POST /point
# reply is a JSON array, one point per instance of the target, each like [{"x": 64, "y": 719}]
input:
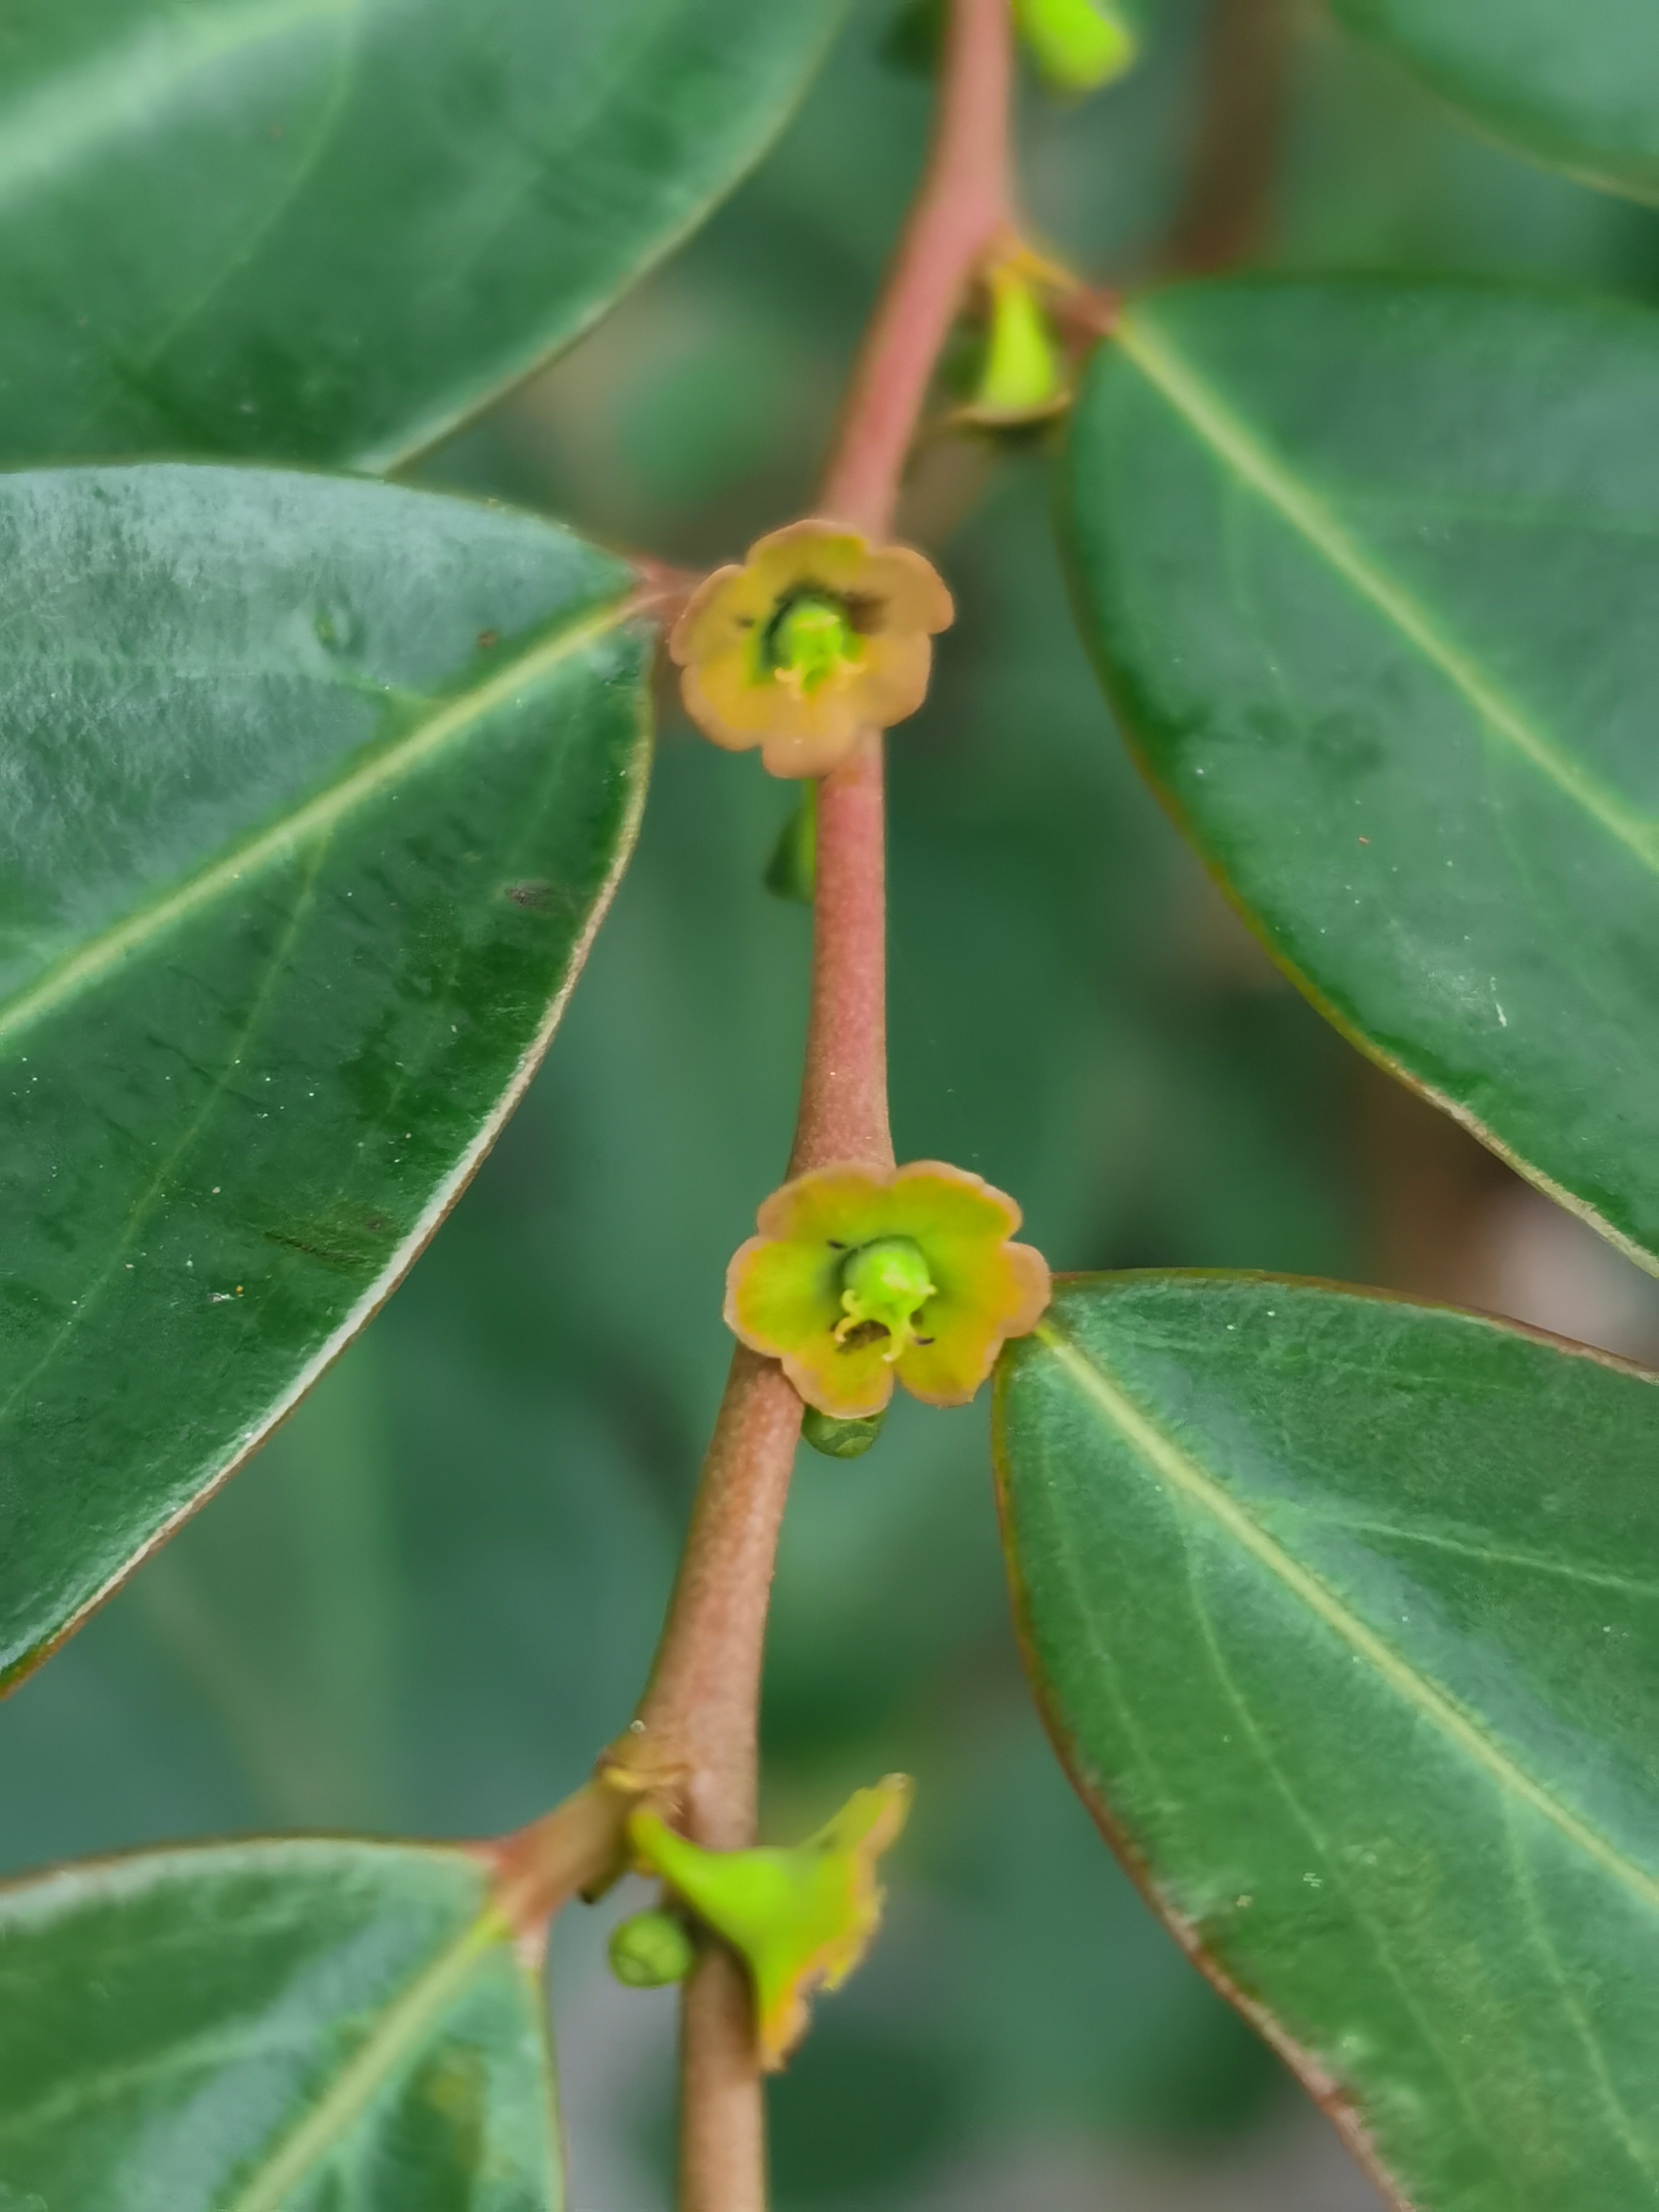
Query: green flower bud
[
  {"x": 651, "y": 1950},
  {"x": 840, "y": 1439},
  {"x": 1022, "y": 377},
  {"x": 1078, "y": 45}
]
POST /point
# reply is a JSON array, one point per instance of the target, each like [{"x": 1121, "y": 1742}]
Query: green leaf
[
  {"x": 1341, "y": 1611},
  {"x": 314, "y": 792},
  {"x": 329, "y": 229},
  {"x": 1370, "y": 571},
  {"x": 1572, "y": 86},
  {"x": 281, "y": 2026}
]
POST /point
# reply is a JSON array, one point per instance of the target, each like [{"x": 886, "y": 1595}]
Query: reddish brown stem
[
  {"x": 722, "y": 2161},
  {"x": 695, "y": 1737},
  {"x": 962, "y": 205},
  {"x": 844, "y": 1092},
  {"x": 696, "y": 1732}
]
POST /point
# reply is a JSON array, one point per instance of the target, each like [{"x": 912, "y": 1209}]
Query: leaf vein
[
  {"x": 1178, "y": 1469},
  {"x": 1239, "y": 446},
  {"x": 455, "y": 718}
]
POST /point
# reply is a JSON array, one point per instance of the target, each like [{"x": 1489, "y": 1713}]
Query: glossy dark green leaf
[
  {"x": 1342, "y": 1614},
  {"x": 282, "y": 2026},
  {"x": 1369, "y": 570},
  {"x": 317, "y": 230},
  {"x": 1573, "y": 85},
  {"x": 314, "y": 790}
]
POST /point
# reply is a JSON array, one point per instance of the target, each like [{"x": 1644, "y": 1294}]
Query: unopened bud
[
  {"x": 1078, "y": 45},
  {"x": 840, "y": 1439},
  {"x": 651, "y": 1950},
  {"x": 1022, "y": 377}
]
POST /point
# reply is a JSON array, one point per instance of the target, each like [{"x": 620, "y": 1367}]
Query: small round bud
[
  {"x": 651, "y": 1950},
  {"x": 1077, "y": 44},
  {"x": 840, "y": 1439}
]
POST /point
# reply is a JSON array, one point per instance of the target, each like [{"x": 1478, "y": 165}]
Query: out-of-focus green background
[{"x": 434, "y": 1595}]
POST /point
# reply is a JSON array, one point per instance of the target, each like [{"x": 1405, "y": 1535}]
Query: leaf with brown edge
[
  {"x": 269, "y": 983},
  {"x": 1368, "y": 566},
  {"x": 1341, "y": 1614}
]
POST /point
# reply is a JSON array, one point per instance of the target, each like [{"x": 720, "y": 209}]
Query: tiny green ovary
[
  {"x": 809, "y": 642},
  {"x": 884, "y": 1285}
]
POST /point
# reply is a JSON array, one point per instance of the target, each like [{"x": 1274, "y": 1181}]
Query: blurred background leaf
[
  {"x": 1076, "y": 1015},
  {"x": 1573, "y": 87},
  {"x": 328, "y": 232}
]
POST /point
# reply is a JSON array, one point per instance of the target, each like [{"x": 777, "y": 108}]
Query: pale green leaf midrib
[
  {"x": 452, "y": 721},
  {"x": 299, "y": 2153},
  {"x": 1188, "y": 1476},
  {"x": 49, "y": 131},
  {"x": 1239, "y": 449}
]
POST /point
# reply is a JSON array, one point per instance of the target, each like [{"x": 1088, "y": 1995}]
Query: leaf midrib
[
  {"x": 51, "y": 125},
  {"x": 1186, "y": 1475},
  {"x": 1240, "y": 448},
  {"x": 401, "y": 2026},
  {"x": 264, "y": 847}
]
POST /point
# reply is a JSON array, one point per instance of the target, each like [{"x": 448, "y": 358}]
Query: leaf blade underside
[
  {"x": 1572, "y": 89},
  {"x": 329, "y": 230}
]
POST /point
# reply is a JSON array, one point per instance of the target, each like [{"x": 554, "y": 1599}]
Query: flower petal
[
  {"x": 936, "y": 1200},
  {"x": 723, "y": 606},
  {"x": 847, "y": 1381},
  {"x": 892, "y": 681},
  {"x": 814, "y": 734},
  {"x": 721, "y": 702},
  {"x": 844, "y": 1203},
  {"x": 810, "y": 552},
  {"x": 913, "y": 593},
  {"x": 966, "y": 1326},
  {"x": 781, "y": 1293}
]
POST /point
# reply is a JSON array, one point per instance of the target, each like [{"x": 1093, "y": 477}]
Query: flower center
[
  {"x": 811, "y": 640},
  {"x": 884, "y": 1286}
]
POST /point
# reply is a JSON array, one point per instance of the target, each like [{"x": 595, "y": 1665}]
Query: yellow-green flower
[
  {"x": 859, "y": 1276},
  {"x": 814, "y": 640},
  {"x": 802, "y": 1918}
]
